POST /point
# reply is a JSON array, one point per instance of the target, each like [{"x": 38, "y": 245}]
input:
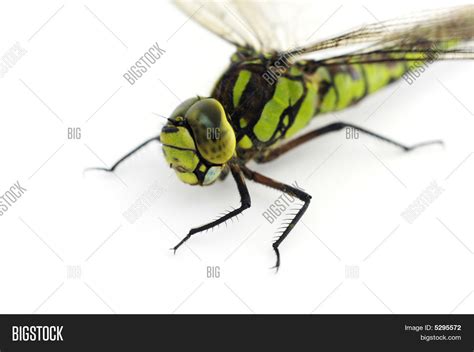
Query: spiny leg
[
  {"x": 337, "y": 126},
  {"x": 122, "y": 159},
  {"x": 244, "y": 204},
  {"x": 292, "y": 191}
]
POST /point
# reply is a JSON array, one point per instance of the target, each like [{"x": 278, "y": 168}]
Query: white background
[{"x": 71, "y": 76}]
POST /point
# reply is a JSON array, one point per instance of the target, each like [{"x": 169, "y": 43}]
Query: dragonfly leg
[
  {"x": 337, "y": 126},
  {"x": 245, "y": 203},
  {"x": 126, "y": 156},
  {"x": 295, "y": 192}
]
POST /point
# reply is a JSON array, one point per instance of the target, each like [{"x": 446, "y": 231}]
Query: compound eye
[
  {"x": 213, "y": 134},
  {"x": 183, "y": 107}
]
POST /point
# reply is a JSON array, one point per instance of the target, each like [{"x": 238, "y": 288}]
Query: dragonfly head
[{"x": 198, "y": 140}]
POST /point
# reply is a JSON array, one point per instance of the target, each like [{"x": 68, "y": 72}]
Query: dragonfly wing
[
  {"x": 257, "y": 17},
  {"x": 253, "y": 24},
  {"x": 225, "y": 19},
  {"x": 215, "y": 17},
  {"x": 445, "y": 34}
]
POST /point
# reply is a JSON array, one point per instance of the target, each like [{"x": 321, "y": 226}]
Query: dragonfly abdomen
[{"x": 344, "y": 85}]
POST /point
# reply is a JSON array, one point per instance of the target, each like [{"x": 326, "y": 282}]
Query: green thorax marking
[
  {"x": 289, "y": 105},
  {"x": 287, "y": 93},
  {"x": 240, "y": 84}
]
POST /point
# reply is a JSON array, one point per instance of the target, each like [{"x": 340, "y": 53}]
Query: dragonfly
[{"x": 268, "y": 93}]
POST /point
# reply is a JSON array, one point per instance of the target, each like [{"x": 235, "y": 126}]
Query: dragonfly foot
[
  {"x": 277, "y": 264},
  {"x": 98, "y": 169},
  {"x": 175, "y": 248},
  {"x": 423, "y": 144}
]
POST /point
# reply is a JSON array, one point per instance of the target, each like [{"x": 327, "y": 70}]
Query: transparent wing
[
  {"x": 445, "y": 34},
  {"x": 223, "y": 19},
  {"x": 243, "y": 23}
]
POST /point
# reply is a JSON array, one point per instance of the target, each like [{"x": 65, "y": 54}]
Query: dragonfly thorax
[{"x": 198, "y": 140}]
